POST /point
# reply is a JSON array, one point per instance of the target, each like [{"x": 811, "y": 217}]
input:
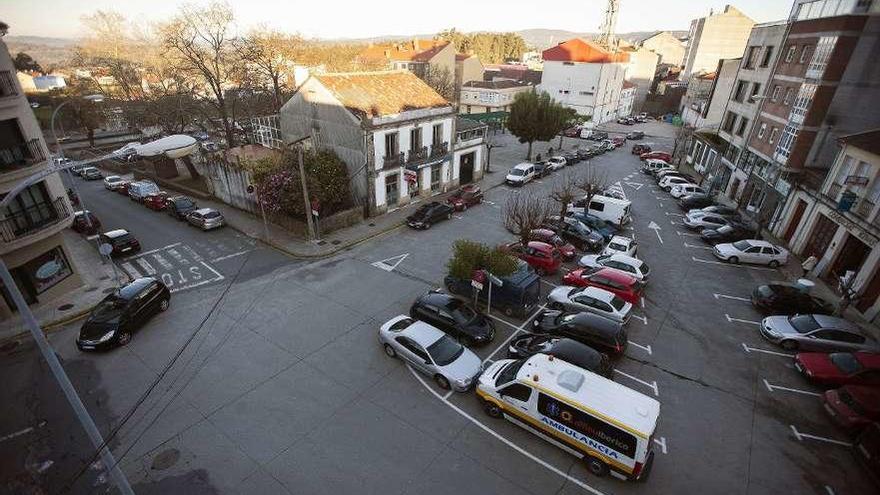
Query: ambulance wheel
[
  {"x": 491, "y": 409},
  {"x": 597, "y": 467}
]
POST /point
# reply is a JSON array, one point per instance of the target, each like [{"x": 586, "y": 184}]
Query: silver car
[
  {"x": 431, "y": 352},
  {"x": 590, "y": 300},
  {"x": 206, "y": 218},
  {"x": 816, "y": 333}
]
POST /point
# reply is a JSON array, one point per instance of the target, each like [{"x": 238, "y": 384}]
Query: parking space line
[
  {"x": 829, "y": 490},
  {"x": 735, "y": 298},
  {"x": 233, "y": 255},
  {"x": 662, "y": 443},
  {"x": 642, "y": 302},
  {"x": 771, "y": 388},
  {"x": 16, "y": 434},
  {"x": 651, "y": 385},
  {"x": 697, "y": 247},
  {"x": 673, "y": 214},
  {"x": 643, "y": 318},
  {"x": 800, "y": 436},
  {"x": 448, "y": 394},
  {"x": 151, "y": 251},
  {"x": 740, "y": 320},
  {"x": 712, "y": 262},
  {"x": 646, "y": 348},
  {"x": 517, "y": 330},
  {"x": 92, "y": 237},
  {"x": 146, "y": 266},
  {"x": 504, "y": 440},
  {"x": 765, "y": 351}
]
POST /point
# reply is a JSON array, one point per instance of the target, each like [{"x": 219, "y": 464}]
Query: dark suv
[
  {"x": 454, "y": 317},
  {"x": 429, "y": 214},
  {"x": 114, "y": 319},
  {"x": 596, "y": 331},
  {"x": 180, "y": 206},
  {"x": 121, "y": 241}
]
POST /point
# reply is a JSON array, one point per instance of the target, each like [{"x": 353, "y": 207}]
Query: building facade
[
  {"x": 627, "y": 99},
  {"x": 667, "y": 46},
  {"x": 31, "y": 245},
  {"x": 695, "y": 101},
  {"x": 467, "y": 68},
  {"x": 490, "y": 96},
  {"x": 640, "y": 72},
  {"x": 715, "y": 37}
]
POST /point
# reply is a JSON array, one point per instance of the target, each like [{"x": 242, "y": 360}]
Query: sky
[{"x": 368, "y": 18}]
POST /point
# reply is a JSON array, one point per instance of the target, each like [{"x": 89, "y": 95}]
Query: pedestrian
[{"x": 809, "y": 264}]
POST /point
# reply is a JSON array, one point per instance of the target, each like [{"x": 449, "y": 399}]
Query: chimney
[
  {"x": 415, "y": 44},
  {"x": 387, "y": 53}
]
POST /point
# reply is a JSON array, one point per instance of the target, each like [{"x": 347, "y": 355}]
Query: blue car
[{"x": 598, "y": 225}]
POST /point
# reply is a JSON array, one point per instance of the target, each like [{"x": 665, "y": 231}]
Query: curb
[{"x": 52, "y": 326}]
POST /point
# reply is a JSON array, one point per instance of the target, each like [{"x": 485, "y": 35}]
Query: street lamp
[{"x": 172, "y": 146}]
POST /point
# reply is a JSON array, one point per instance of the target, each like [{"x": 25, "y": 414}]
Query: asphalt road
[{"x": 285, "y": 389}]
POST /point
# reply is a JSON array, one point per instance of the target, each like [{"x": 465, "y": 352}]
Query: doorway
[
  {"x": 869, "y": 296},
  {"x": 466, "y": 167},
  {"x": 795, "y": 220},
  {"x": 820, "y": 237},
  {"x": 852, "y": 255},
  {"x": 392, "y": 189}
]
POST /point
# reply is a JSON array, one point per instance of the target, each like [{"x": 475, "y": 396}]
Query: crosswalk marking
[
  {"x": 146, "y": 266},
  {"x": 192, "y": 253},
  {"x": 130, "y": 270},
  {"x": 162, "y": 261}
]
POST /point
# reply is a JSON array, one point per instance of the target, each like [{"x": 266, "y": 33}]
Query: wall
[
  {"x": 667, "y": 47},
  {"x": 640, "y": 71},
  {"x": 590, "y": 89},
  {"x": 718, "y": 36}
]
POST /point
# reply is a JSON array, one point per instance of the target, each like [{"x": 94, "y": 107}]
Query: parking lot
[{"x": 287, "y": 391}]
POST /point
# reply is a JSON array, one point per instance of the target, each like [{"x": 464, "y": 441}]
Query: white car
[
  {"x": 686, "y": 189},
  {"x": 704, "y": 220},
  {"x": 664, "y": 172},
  {"x": 555, "y": 163},
  {"x": 520, "y": 174},
  {"x": 621, "y": 245},
  {"x": 590, "y": 300},
  {"x": 627, "y": 264},
  {"x": 111, "y": 182},
  {"x": 654, "y": 165},
  {"x": 670, "y": 181},
  {"x": 751, "y": 251}
]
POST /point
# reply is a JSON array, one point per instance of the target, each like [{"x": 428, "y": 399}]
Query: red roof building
[{"x": 580, "y": 50}]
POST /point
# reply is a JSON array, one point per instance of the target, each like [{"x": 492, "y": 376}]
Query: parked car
[
  {"x": 657, "y": 155},
  {"x": 430, "y": 351},
  {"x": 596, "y": 331},
  {"x": 111, "y": 182},
  {"x": 591, "y": 300},
  {"x": 583, "y": 154},
  {"x": 547, "y": 236},
  {"x": 608, "y": 145},
  {"x": 723, "y": 210},
  {"x": 156, "y": 201},
  {"x": 637, "y": 135},
  {"x": 602, "y": 213},
  {"x": 867, "y": 450},
  {"x": 671, "y": 180},
  {"x": 122, "y": 187},
  {"x": 543, "y": 257},
  {"x": 625, "y": 121},
  {"x": 691, "y": 201},
  {"x": 91, "y": 173},
  {"x": 853, "y": 407},
  {"x": 121, "y": 241},
  {"x": 542, "y": 169},
  {"x": 520, "y": 174},
  {"x": 652, "y": 166},
  {"x": 594, "y": 223},
  {"x": 429, "y": 214},
  {"x": 568, "y": 350},
  {"x": 788, "y": 299},
  {"x": 618, "y": 141},
  {"x": 576, "y": 233},
  {"x": 597, "y": 149},
  {"x": 680, "y": 190},
  {"x": 620, "y": 284},
  {"x": 518, "y": 295},
  {"x": 206, "y": 219},
  {"x": 571, "y": 157},
  {"x": 81, "y": 221},
  {"x": 813, "y": 332},
  {"x": 640, "y": 149},
  {"x": 731, "y": 232},
  {"x": 180, "y": 206},
  {"x": 451, "y": 315},
  {"x": 621, "y": 245},
  {"x": 751, "y": 251},
  {"x": 627, "y": 264},
  {"x": 839, "y": 368},
  {"x": 139, "y": 190},
  {"x": 465, "y": 197},
  {"x": 599, "y": 135},
  {"x": 699, "y": 221},
  {"x": 572, "y": 132},
  {"x": 113, "y": 321}
]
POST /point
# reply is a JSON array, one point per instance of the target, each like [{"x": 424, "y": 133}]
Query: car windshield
[
  {"x": 516, "y": 171},
  {"x": 111, "y": 304},
  {"x": 617, "y": 303},
  {"x": 617, "y": 247},
  {"x": 212, "y": 214},
  {"x": 509, "y": 372},
  {"x": 846, "y": 362},
  {"x": 804, "y": 323},
  {"x": 742, "y": 245},
  {"x": 121, "y": 239},
  {"x": 445, "y": 350},
  {"x": 765, "y": 291},
  {"x": 726, "y": 229},
  {"x": 184, "y": 203},
  {"x": 461, "y": 312}
]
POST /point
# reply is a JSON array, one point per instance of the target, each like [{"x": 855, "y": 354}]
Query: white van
[
  {"x": 139, "y": 190},
  {"x": 520, "y": 174},
  {"x": 608, "y": 425},
  {"x": 613, "y": 210}
]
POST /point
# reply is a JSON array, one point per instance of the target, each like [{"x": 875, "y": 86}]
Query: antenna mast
[{"x": 606, "y": 30}]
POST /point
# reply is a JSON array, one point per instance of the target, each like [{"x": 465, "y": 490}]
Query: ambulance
[{"x": 609, "y": 426}]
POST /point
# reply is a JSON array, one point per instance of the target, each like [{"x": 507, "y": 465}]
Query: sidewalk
[{"x": 97, "y": 281}]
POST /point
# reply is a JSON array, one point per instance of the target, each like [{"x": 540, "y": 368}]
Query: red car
[
  {"x": 156, "y": 201},
  {"x": 543, "y": 257},
  {"x": 548, "y": 236},
  {"x": 640, "y": 149},
  {"x": 618, "y": 141},
  {"x": 122, "y": 188},
  {"x": 572, "y": 132},
  {"x": 840, "y": 368},
  {"x": 622, "y": 285},
  {"x": 853, "y": 407},
  {"x": 468, "y": 195},
  {"x": 657, "y": 155}
]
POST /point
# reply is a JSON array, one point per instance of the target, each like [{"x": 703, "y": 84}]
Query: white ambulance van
[{"x": 609, "y": 426}]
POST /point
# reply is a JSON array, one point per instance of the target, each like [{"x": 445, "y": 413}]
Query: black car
[
  {"x": 596, "y": 331},
  {"x": 697, "y": 200},
  {"x": 599, "y": 135},
  {"x": 115, "y": 318},
  {"x": 570, "y": 157},
  {"x": 568, "y": 350},
  {"x": 640, "y": 149},
  {"x": 788, "y": 299},
  {"x": 541, "y": 169},
  {"x": 454, "y": 317},
  {"x": 180, "y": 206},
  {"x": 81, "y": 223},
  {"x": 429, "y": 214},
  {"x": 579, "y": 235},
  {"x": 731, "y": 232},
  {"x": 584, "y": 154},
  {"x": 635, "y": 135},
  {"x": 121, "y": 241}
]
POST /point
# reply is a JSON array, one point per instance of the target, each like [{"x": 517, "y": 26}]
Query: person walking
[{"x": 809, "y": 264}]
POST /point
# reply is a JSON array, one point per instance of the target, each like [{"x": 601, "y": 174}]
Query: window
[
  {"x": 438, "y": 132},
  {"x": 586, "y": 93},
  {"x": 30, "y": 210},
  {"x": 786, "y": 141},
  {"x": 775, "y": 95},
  {"x": 805, "y": 52},
  {"x": 802, "y": 102},
  {"x": 729, "y": 121},
  {"x": 46, "y": 270},
  {"x": 786, "y": 100},
  {"x": 756, "y": 89},
  {"x": 567, "y": 63},
  {"x": 820, "y": 56},
  {"x": 391, "y": 144},
  {"x": 789, "y": 54},
  {"x": 740, "y": 91},
  {"x": 741, "y": 129},
  {"x": 768, "y": 55},
  {"x": 517, "y": 391},
  {"x": 751, "y": 55},
  {"x": 435, "y": 177},
  {"x": 773, "y": 134},
  {"x": 415, "y": 139},
  {"x": 762, "y": 130}
]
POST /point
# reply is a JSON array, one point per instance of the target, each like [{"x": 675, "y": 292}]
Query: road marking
[
  {"x": 151, "y": 251},
  {"x": 651, "y": 385},
  {"x": 233, "y": 255},
  {"x": 634, "y": 185},
  {"x": 801, "y": 436},
  {"x": 656, "y": 229},
  {"x": 148, "y": 268},
  {"x": 217, "y": 277},
  {"x": 642, "y": 302},
  {"x": 696, "y": 247},
  {"x": 673, "y": 214},
  {"x": 646, "y": 348},
  {"x": 772, "y": 387},
  {"x": 551, "y": 284},
  {"x": 448, "y": 394},
  {"x": 93, "y": 237},
  {"x": 507, "y": 442},
  {"x": 517, "y": 329},
  {"x": 673, "y": 222},
  {"x": 16, "y": 434},
  {"x": 765, "y": 351},
  {"x": 488, "y": 202},
  {"x": 643, "y": 318},
  {"x": 711, "y": 262},
  {"x": 193, "y": 254},
  {"x": 658, "y": 197},
  {"x": 458, "y": 217},
  {"x": 166, "y": 265},
  {"x": 384, "y": 265},
  {"x": 177, "y": 256},
  {"x": 750, "y": 322},
  {"x": 130, "y": 270},
  {"x": 829, "y": 490},
  {"x": 662, "y": 443},
  {"x": 735, "y": 298}
]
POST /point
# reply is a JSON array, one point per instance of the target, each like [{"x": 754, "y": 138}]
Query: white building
[
  {"x": 714, "y": 37},
  {"x": 391, "y": 129},
  {"x": 490, "y": 96},
  {"x": 627, "y": 99},
  {"x": 586, "y": 77}
]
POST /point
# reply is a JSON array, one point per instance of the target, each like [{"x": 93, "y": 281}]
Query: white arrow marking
[
  {"x": 635, "y": 185},
  {"x": 751, "y": 322},
  {"x": 735, "y": 298},
  {"x": 646, "y": 348},
  {"x": 651, "y": 385},
  {"x": 687, "y": 234},
  {"x": 662, "y": 443},
  {"x": 697, "y": 247},
  {"x": 765, "y": 351},
  {"x": 771, "y": 388},
  {"x": 673, "y": 214},
  {"x": 656, "y": 229},
  {"x": 801, "y": 436},
  {"x": 385, "y": 265}
]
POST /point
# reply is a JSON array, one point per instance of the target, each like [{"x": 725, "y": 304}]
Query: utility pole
[{"x": 302, "y": 177}]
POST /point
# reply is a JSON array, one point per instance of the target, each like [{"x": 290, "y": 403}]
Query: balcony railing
[
  {"x": 394, "y": 160},
  {"x": 439, "y": 149},
  {"x": 417, "y": 155},
  {"x": 32, "y": 219},
  {"x": 834, "y": 191},
  {"x": 22, "y": 154},
  {"x": 7, "y": 84}
]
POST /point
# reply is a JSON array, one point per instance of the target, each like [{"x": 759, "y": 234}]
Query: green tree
[
  {"x": 492, "y": 48},
  {"x": 537, "y": 117},
  {"x": 469, "y": 256}
]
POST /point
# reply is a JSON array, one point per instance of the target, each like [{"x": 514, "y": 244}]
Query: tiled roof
[
  {"x": 377, "y": 94},
  {"x": 868, "y": 141},
  {"x": 499, "y": 84},
  {"x": 414, "y": 50},
  {"x": 581, "y": 50}
]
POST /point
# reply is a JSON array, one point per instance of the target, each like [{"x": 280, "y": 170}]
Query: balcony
[
  {"x": 33, "y": 219},
  {"x": 7, "y": 84},
  {"x": 439, "y": 149},
  {"x": 21, "y": 155},
  {"x": 395, "y": 160}
]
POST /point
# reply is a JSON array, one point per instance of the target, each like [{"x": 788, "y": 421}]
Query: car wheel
[
  {"x": 773, "y": 264},
  {"x": 390, "y": 351},
  {"x": 733, "y": 259},
  {"x": 164, "y": 304},
  {"x": 597, "y": 467},
  {"x": 441, "y": 382},
  {"x": 508, "y": 311},
  {"x": 491, "y": 409},
  {"x": 124, "y": 338},
  {"x": 789, "y": 345}
]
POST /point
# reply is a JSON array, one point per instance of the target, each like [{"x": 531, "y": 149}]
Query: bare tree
[
  {"x": 271, "y": 54},
  {"x": 591, "y": 182},
  {"x": 440, "y": 79},
  {"x": 564, "y": 191},
  {"x": 523, "y": 213}
]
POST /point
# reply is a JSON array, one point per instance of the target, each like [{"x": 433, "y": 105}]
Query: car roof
[
  {"x": 202, "y": 211},
  {"x": 543, "y": 246},
  {"x": 620, "y": 239},
  {"x": 564, "y": 347},
  {"x": 523, "y": 165},
  {"x": 626, "y": 259},
  {"x": 598, "y": 323},
  {"x": 597, "y": 293},
  {"x": 111, "y": 177},
  {"x": 436, "y": 298},
  {"x": 135, "y": 287},
  {"x": 422, "y": 333},
  {"x": 615, "y": 275},
  {"x": 116, "y": 233},
  {"x": 759, "y": 242},
  {"x": 826, "y": 321}
]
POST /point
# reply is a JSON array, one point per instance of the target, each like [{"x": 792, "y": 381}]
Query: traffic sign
[
  {"x": 476, "y": 285},
  {"x": 105, "y": 249}
]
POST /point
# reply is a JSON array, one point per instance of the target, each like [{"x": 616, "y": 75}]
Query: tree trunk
[
  {"x": 91, "y": 133},
  {"x": 227, "y": 125},
  {"x": 276, "y": 95},
  {"x": 529, "y": 153}
]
